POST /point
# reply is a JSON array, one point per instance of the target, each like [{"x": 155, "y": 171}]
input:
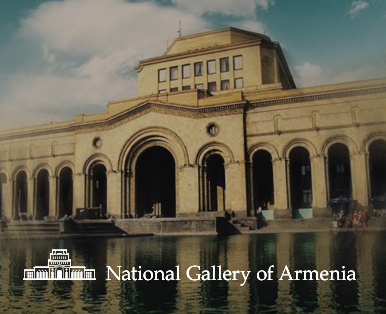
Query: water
[{"x": 362, "y": 252}]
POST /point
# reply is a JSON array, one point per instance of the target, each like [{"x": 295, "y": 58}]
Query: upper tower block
[{"x": 217, "y": 61}]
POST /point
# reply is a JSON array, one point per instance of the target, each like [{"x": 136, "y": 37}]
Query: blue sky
[{"x": 62, "y": 58}]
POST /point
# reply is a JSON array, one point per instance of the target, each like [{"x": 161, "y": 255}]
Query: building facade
[{"x": 218, "y": 125}]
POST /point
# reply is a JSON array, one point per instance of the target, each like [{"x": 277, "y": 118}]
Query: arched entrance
[
  {"x": 20, "y": 196},
  {"x": 214, "y": 183},
  {"x": 300, "y": 178},
  {"x": 65, "y": 192},
  {"x": 263, "y": 188},
  {"x": 42, "y": 194},
  {"x": 155, "y": 183},
  {"x": 339, "y": 171},
  {"x": 98, "y": 185},
  {"x": 377, "y": 165},
  {"x": 3, "y": 180}
]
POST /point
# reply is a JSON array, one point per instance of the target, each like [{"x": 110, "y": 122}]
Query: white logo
[{"x": 59, "y": 268}]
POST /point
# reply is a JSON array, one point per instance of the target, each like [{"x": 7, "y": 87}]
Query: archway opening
[
  {"x": 155, "y": 183},
  {"x": 3, "y": 180},
  {"x": 215, "y": 183},
  {"x": 377, "y": 165},
  {"x": 21, "y": 195},
  {"x": 65, "y": 192},
  {"x": 339, "y": 171},
  {"x": 263, "y": 188},
  {"x": 99, "y": 188},
  {"x": 42, "y": 194},
  {"x": 300, "y": 178}
]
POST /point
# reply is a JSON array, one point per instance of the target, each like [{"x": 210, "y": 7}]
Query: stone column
[
  {"x": 187, "y": 190},
  {"x": 235, "y": 185},
  {"x": 7, "y": 199},
  {"x": 31, "y": 183},
  {"x": 280, "y": 186},
  {"x": 114, "y": 193},
  {"x": 79, "y": 196},
  {"x": 359, "y": 178},
  {"x": 53, "y": 211},
  {"x": 319, "y": 195}
]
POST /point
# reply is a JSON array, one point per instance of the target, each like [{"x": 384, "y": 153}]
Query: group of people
[{"x": 352, "y": 220}]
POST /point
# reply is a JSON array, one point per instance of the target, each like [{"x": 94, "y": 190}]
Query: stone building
[{"x": 218, "y": 125}]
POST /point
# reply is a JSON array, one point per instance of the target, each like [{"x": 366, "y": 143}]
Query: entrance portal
[
  {"x": 300, "y": 178},
  {"x": 339, "y": 171},
  {"x": 42, "y": 194},
  {"x": 20, "y": 194},
  {"x": 215, "y": 183},
  {"x": 155, "y": 183},
  {"x": 65, "y": 192},
  {"x": 263, "y": 190},
  {"x": 99, "y": 187},
  {"x": 377, "y": 162}
]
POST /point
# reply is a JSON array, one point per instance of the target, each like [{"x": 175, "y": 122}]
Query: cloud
[
  {"x": 309, "y": 74},
  {"x": 89, "y": 50},
  {"x": 225, "y": 7},
  {"x": 356, "y": 7}
]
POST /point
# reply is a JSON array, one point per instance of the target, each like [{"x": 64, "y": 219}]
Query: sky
[{"x": 67, "y": 57}]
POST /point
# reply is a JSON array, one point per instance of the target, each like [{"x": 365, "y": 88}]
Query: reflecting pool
[{"x": 364, "y": 253}]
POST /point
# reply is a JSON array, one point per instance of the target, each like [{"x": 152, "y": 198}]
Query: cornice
[
  {"x": 320, "y": 96},
  {"x": 130, "y": 114}
]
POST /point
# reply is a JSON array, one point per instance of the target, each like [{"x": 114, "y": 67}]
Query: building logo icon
[{"x": 59, "y": 268}]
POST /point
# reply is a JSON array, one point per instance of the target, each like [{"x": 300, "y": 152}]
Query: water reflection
[{"x": 363, "y": 252}]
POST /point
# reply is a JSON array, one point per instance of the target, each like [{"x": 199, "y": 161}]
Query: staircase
[
  {"x": 240, "y": 226},
  {"x": 31, "y": 229},
  {"x": 95, "y": 227}
]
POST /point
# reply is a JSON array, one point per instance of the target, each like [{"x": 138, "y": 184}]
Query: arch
[
  {"x": 155, "y": 183},
  {"x": 339, "y": 138},
  {"x": 378, "y": 135},
  {"x": 214, "y": 148},
  {"x": 338, "y": 171},
  {"x": 4, "y": 171},
  {"x": 151, "y": 136},
  {"x": 377, "y": 168},
  {"x": 97, "y": 159},
  {"x": 262, "y": 179},
  {"x": 21, "y": 168},
  {"x": 42, "y": 193},
  {"x": 263, "y": 146},
  {"x": 62, "y": 165},
  {"x": 302, "y": 143},
  {"x": 300, "y": 178},
  {"x": 65, "y": 190},
  {"x": 20, "y": 193}
]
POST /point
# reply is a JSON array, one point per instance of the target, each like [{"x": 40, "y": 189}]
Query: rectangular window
[
  {"x": 173, "y": 73},
  {"x": 225, "y": 85},
  {"x": 237, "y": 62},
  {"x": 186, "y": 71},
  {"x": 198, "y": 69},
  {"x": 186, "y": 87},
  {"x": 224, "y": 64},
  {"x": 162, "y": 91},
  {"x": 239, "y": 82},
  {"x": 162, "y": 75},
  {"x": 211, "y": 65},
  {"x": 212, "y": 87},
  {"x": 199, "y": 86},
  {"x": 174, "y": 89}
]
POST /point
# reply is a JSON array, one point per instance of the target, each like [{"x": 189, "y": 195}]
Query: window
[
  {"x": 224, "y": 64},
  {"x": 212, "y": 87},
  {"x": 199, "y": 86},
  {"x": 211, "y": 65},
  {"x": 162, "y": 75},
  {"x": 173, "y": 73},
  {"x": 174, "y": 89},
  {"x": 239, "y": 82},
  {"x": 198, "y": 69},
  {"x": 186, "y": 87},
  {"x": 225, "y": 85},
  {"x": 162, "y": 91},
  {"x": 237, "y": 62},
  {"x": 186, "y": 71}
]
